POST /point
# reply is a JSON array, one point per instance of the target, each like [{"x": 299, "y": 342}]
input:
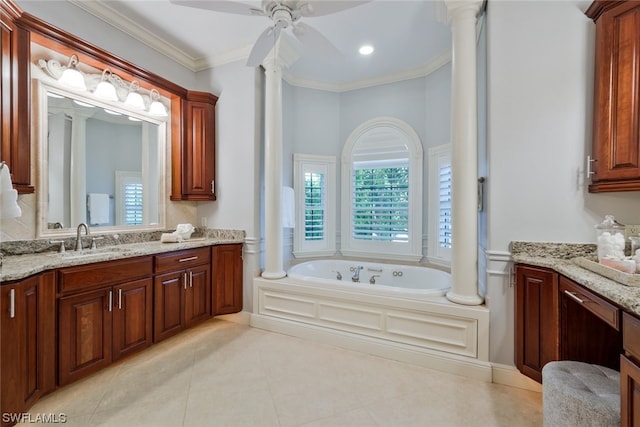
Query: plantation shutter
[
  {"x": 314, "y": 208},
  {"x": 133, "y": 204},
  {"x": 444, "y": 210},
  {"x": 381, "y": 201}
]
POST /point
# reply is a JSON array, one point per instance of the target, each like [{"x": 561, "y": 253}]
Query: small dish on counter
[{"x": 621, "y": 277}]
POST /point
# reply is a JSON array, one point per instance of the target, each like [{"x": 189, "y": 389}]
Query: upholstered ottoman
[{"x": 577, "y": 394}]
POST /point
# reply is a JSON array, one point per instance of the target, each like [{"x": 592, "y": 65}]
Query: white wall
[
  {"x": 237, "y": 159},
  {"x": 540, "y": 94}
]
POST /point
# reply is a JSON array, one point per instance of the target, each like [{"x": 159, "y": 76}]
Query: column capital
[{"x": 456, "y": 7}]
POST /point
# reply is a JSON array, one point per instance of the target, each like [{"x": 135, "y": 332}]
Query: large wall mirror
[{"x": 99, "y": 164}]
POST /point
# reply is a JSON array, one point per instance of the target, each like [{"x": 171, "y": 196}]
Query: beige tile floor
[{"x": 226, "y": 374}]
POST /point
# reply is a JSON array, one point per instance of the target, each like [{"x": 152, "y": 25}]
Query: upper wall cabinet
[
  {"x": 615, "y": 162},
  {"x": 193, "y": 161},
  {"x": 14, "y": 98}
]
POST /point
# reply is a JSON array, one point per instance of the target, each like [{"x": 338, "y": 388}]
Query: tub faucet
[
  {"x": 372, "y": 280},
  {"x": 338, "y": 275},
  {"x": 78, "y": 238},
  {"x": 356, "y": 273}
]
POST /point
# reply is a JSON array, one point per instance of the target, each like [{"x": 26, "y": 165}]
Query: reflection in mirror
[{"x": 103, "y": 166}]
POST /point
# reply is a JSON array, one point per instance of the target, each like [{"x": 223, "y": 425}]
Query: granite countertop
[
  {"x": 19, "y": 266},
  {"x": 560, "y": 257}
]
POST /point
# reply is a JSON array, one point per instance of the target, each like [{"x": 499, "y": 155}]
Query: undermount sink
[{"x": 90, "y": 253}]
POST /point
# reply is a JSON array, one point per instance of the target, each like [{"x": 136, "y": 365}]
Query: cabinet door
[
  {"x": 85, "y": 333},
  {"x": 537, "y": 320},
  {"x": 14, "y": 101},
  {"x": 629, "y": 393},
  {"x": 169, "y": 290},
  {"x": 616, "y": 139},
  {"x": 193, "y": 161},
  {"x": 198, "y": 295},
  {"x": 227, "y": 279},
  {"x": 132, "y": 317},
  {"x": 27, "y": 331}
]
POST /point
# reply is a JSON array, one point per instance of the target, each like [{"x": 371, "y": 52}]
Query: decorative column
[
  {"x": 281, "y": 56},
  {"x": 464, "y": 134}
]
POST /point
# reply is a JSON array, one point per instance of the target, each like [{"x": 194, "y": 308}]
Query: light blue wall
[{"x": 319, "y": 122}]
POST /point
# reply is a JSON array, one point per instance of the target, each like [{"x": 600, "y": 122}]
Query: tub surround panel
[{"x": 435, "y": 326}]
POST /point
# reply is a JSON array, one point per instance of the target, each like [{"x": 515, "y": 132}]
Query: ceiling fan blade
[
  {"x": 314, "y": 40},
  {"x": 263, "y": 45},
  {"x": 325, "y": 7},
  {"x": 225, "y": 6}
]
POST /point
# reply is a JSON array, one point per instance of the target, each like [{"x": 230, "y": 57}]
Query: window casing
[
  {"x": 314, "y": 186},
  {"x": 382, "y": 191},
  {"x": 440, "y": 200}
]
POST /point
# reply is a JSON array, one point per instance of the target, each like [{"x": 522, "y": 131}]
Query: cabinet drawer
[
  {"x": 631, "y": 335},
  {"x": 606, "y": 311},
  {"x": 181, "y": 259},
  {"x": 88, "y": 276}
]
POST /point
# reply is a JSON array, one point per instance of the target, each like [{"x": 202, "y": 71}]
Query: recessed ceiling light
[{"x": 366, "y": 50}]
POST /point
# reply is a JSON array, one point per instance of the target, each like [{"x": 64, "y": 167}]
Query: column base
[
  {"x": 464, "y": 299},
  {"x": 273, "y": 275}
]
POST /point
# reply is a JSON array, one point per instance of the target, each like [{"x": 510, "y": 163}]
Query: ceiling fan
[{"x": 285, "y": 14}]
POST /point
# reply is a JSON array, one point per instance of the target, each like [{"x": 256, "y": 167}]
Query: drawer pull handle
[
  {"x": 12, "y": 307},
  {"x": 575, "y": 297},
  {"x": 191, "y": 258}
]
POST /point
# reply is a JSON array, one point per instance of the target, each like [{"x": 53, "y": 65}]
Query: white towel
[
  {"x": 98, "y": 205},
  {"x": 8, "y": 196},
  {"x": 288, "y": 208}
]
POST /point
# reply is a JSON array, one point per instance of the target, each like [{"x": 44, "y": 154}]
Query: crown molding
[
  {"x": 422, "y": 71},
  {"x": 102, "y": 11}
]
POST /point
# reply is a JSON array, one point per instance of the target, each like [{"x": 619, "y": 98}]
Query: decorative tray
[{"x": 608, "y": 272}]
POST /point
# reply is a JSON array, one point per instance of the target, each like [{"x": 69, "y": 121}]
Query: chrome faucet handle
[
  {"x": 93, "y": 242},
  {"x": 338, "y": 274},
  {"x": 61, "y": 249},
  {"x": 372, "y": 280}
]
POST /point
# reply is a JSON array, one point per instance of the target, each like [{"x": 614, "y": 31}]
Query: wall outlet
[
  {"x": 631, "y": 230},
  {"x": 203, "y": 221}
]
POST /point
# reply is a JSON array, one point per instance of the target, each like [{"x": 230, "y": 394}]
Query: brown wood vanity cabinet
[
  {"x": 27, "y": 353},
  {"x": 537, "y": 319},
  {"x": 15, "y": 98},
  {"x": 227, "y": 278},
  {"x": 615, "y": 161},
  {"x": 182, "y": 291},
  {"x": 630, "y": 371},
  {"x": 104, "y": 313},
  {"x": 193, "y": 161}
]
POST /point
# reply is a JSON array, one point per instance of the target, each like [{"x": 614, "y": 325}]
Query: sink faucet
[
  {"x": 78, "y": 238},
  {"x": 356, "y": 273}
]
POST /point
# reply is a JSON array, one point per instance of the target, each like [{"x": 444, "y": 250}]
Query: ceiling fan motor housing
[{"x": 281, "y": 16}]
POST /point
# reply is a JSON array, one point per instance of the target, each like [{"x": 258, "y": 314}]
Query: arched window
[{"x": 382, "y": 191}]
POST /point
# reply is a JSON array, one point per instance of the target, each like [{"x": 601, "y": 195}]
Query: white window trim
[
  {"x": 313, "y": 163},
  {"x": 410, "y": 251},
  {"x": 438, "y": 156}
]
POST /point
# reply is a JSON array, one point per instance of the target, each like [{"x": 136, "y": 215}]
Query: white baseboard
[
  {"x": 453, "y": 364},
  {"x": 509, "y": 375}
]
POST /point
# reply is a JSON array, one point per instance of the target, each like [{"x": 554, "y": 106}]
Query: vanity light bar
[{"x": 107, "y": 87}]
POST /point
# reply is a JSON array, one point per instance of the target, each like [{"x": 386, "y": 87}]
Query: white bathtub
[
  {"x": 403, "y": 316},
  {"x": 402, "y": 281}
]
